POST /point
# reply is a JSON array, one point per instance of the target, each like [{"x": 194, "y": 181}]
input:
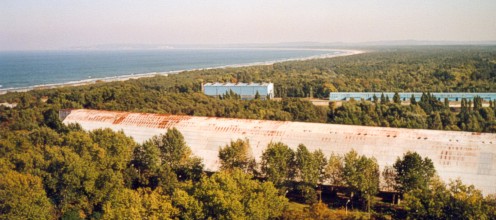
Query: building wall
[
  {"x": 465, "y": 155},
  {"x": 337, "y": 96},
  {"x": 246, "y": 91}
]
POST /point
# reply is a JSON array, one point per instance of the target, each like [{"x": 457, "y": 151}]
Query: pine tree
[
  {"x": 424, "y": 98},
  {"x": 397, "y": 98},
  {"x": 473, "y": 124},
  {"x": 413, "y": 101},
  {"x": 257, "y": 95},
  {"x": 383, "y": 99},
  {"x": 436, "y": 123},
  {"x": 463, "y": 107},
  {"x": 477, "y": 103}
]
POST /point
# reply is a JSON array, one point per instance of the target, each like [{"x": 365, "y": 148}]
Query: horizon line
[{"x": 277, "y": 45}]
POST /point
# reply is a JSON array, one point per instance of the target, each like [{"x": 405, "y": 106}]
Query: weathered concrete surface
[{"x": 465, "y": 155}]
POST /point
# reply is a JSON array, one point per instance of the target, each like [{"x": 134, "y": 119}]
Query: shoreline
[{"x": 341, "y": 52}]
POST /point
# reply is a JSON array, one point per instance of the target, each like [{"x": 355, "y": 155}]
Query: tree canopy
[
  {"x": 361, "y": 174},
  {"x": 237, "y": 155},
  {"x": 413, "y": 172},
  {"x": 278, "y": 163}
]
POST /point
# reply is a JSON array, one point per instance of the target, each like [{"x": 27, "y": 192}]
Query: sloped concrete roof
[
  {"x": 466, "y": 155},
  {"x": 237, "y": 84}
]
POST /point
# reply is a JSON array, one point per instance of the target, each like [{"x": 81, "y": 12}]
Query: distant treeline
[
  {"x": 393, "y": 69},
  {"x": 427, "y": 113}
]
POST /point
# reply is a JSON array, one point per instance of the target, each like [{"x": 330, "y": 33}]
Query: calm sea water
[{"x": 27, "y": 69}]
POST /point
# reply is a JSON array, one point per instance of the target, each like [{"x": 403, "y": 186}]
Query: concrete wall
[{"x": 465, "y": 155}]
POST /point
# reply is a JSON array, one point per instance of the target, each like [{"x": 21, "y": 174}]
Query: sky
[{"x": 63, "y": 24}]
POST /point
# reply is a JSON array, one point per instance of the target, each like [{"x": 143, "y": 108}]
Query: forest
[
  {"x": 49, "y": 170},
  {"x": 62, "y": 172}
]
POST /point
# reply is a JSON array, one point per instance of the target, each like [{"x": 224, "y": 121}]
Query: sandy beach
[{"x": 152, "y": 74}]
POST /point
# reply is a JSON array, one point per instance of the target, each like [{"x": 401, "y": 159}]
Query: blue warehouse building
[
  {"x": 245, "y": 90},
  {"x": 455, "y": 96}
]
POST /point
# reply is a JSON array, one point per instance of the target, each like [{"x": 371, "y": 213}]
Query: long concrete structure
[
  {"x": 404, "y": 96},
  {"x": 245, "y": 90},
  {"x": 469, "y": 156}
]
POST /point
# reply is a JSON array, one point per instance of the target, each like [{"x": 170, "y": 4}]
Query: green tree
[
  {"x": 45, "y": 137},
  {"x": 361, "y": 175},
  {"x": 138, "y": 204},
  {"x": 490, "y": 206},
  {"x": 383, "y": 99},
  {"x": 115, "y": 152},
  {"x": 237, "y": 155},
  {"x": 413, "y": 172},
  {"x": 320, "y": 164},
  {"x": 396, "y": 98},
  {"x": 278, "y": 163},
  {"x": 309, "y": 171},
  {"x": 435, "y": 121},
  {"x": 465, "y": 202},
  {"x": 73, "y": 183},
  {"x": 51, "y": 120},
  {"x": 307, "y": 167},
  {"x": 117, "y": 146},
  {"x": 257, "y": 95},
  {"x": 375, "y": 99},
  {"x": 234, "y": 195},
  {"x": 473, "y": 123},
  {"x": 334, "y": 170},
  {"x": 438, "y": 201},
  {"x": 173, "y": 149},
  {"x": 147, "y": 162},
  {"x": 81, "y": 143},
  {"x": 413, "y": 101},
  {"x": 22, "y": 197},
  {"x": 175, "y": 154},
  {"x": 189, "y": 207}
]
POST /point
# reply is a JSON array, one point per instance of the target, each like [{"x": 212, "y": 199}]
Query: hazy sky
[{"x": 57, "y": 24}]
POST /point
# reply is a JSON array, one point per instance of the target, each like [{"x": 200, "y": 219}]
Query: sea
[{"x": 30, "y": 69}]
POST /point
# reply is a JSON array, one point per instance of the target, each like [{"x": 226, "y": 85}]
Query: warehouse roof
[{"x": 470, "y": 156}]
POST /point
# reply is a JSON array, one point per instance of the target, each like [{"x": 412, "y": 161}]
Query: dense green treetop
[
  {"x": 413, "y": 172},
  {"x": 237, "y": 155},
  {"x": 361, "y": 174},
  {"x": 234, "y": 195},
  {"x": 452, "y": 201},
  {"x": 22, "y": 197},
  {"x": 278, "y": 163}
]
